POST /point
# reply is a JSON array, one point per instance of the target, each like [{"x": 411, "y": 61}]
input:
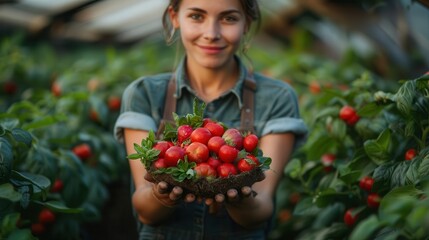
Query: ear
[{"x": 174, "y": 17}]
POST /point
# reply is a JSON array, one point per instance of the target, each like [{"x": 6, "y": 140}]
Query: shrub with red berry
[{"x": 202, "y": 155}]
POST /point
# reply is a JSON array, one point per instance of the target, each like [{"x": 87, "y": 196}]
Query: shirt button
[{"x": 210, "y": 108}]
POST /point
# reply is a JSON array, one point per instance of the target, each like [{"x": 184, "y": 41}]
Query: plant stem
[{"x": 424, "y": 137}]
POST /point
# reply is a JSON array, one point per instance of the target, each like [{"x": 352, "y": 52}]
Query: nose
[{"x": 212, "y": 31}]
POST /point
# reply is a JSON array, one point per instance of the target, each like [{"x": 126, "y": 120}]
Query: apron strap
[
  {"x": 169, "y": 106},
  {"x": 247, "y": 109}
]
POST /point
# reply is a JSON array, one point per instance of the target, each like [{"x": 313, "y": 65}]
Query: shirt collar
[{"x": 182, "y": 81}]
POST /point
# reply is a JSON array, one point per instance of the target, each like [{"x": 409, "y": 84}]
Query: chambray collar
[{"x": 182, "y": 81}]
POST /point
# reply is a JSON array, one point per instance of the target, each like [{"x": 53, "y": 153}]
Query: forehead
[{"x": 211, "y": 5}]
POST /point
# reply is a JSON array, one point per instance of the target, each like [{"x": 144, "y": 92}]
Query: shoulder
[
  {"x": 150, "y": 82},
  {"x": 271, "y": 87},
  {"x": 157, "y": 79}
]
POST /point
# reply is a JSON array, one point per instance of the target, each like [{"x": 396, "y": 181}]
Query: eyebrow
[{"x": 223, "y": 13}]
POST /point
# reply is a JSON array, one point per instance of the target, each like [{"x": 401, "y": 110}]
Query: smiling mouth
[{"x": 211, "y": 49}]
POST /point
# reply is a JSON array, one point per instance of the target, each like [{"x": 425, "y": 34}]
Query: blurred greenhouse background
[{"x": 65, "y": 63}]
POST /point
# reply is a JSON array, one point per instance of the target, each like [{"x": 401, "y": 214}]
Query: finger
[
  {"x": 246, "y": 191},
  {"x": 176, "y": 193},
  {"x": 208, "y": 201},
  {"x": 162, "y": 187},
  {"x": 190, "y": 198},
  {"x": 220, "y": 198},
  {"x": 232, "y": 195}
]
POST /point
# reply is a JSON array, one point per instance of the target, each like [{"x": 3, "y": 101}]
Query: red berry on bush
[
  {"x": 114, "y": 103},
  {"x": 83, "y": 151},
  {"x": 37, "y": 228},
  {"x": 327, "y": 160},
  {"x": 350, "y": 218},
  {"x": 373, "y": 200},
  {"x": 57, "y": 186},
  {"x": 10, "y": 87},
  {"x": 348, "y": 114},
  {"x": 314, "y": 87},
  {"x": 366, "y": 183},
  {"x": 410, "y": 154},
  {"x": 93, "y": 115},
  {"x": 56, "y": 89},
  {"x": 46, "y": 216}
]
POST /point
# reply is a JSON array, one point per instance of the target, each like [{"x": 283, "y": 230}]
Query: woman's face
[{"x": 211, "y": 31}]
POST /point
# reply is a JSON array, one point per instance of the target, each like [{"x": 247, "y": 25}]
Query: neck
[{"x": 209, "y": 84}]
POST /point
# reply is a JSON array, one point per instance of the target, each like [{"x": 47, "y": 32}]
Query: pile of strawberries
[
  {"x": 199, "y": 150},
  {"x": 215, "y": 150}
]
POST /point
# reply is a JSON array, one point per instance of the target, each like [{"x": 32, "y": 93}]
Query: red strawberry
[
  {"x": 184, "y": 132},
  {"x": 233, "y": 138}
]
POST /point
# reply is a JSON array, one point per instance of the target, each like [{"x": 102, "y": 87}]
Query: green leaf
[
  {"x": 293, "y": 168},
  {"x": 24, "y": 234},
  {"x": 58, "y": 206},
  {"x": 6, "y": 158},
  {"x": 339, "y": 129},
  {"x": 41, "y": 182},
  {"x": 370, "y": 110},
  {"x": 23, "y": 136},
  {"x": 328, "y": 215},
  {"x": 8, "y": 192},
  {"x": 326, "y": 197},
  {"x": 378, "y": 150},
  {"x": 8, "y": 123},
  {"x": 44, "y": 121},
  {"x": 423, "y": 169},
  {"x": 366, "y": 228},
  {"x": 404, "y": 98},
  {"x": 305, "y": 207}
]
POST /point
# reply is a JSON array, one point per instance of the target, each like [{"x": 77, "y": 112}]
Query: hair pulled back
[{"x": 250, "y": 7}]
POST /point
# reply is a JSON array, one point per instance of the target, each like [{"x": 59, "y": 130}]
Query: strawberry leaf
[
  {"x": 194, "y": 119},
  {"x": 145, "y": 152},
  {"x": 184, "y": 170}
]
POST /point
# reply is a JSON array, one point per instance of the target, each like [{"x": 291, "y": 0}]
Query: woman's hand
[
  {"x": 233, "y": 196},
  {"x": 170, "y": 196}
]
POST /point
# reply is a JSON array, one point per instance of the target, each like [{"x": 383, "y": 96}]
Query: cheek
[
  {"x": 189, "y": 33},
  {"x": 234, "y": 36}
]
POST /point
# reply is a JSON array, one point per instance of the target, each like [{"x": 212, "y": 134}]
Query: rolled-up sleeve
[
  {"x": 283, "y": 114},
  {"x": 133, "y": 120},
  {"x": 135, "y": 111},
  {"x": 288, "y": 125}
]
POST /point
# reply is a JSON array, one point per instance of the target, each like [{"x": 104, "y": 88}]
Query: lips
[{"x": 211, "y": 49}]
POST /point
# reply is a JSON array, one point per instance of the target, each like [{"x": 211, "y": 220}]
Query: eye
[
  {"x": 231, "y": 19},
  {"x": 195, "y": 16}
]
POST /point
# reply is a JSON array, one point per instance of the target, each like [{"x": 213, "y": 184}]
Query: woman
[{"x": 212, "y": 33}]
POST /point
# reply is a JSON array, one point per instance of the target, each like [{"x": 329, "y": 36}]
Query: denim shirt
[{"x": 275, "y": 111}]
